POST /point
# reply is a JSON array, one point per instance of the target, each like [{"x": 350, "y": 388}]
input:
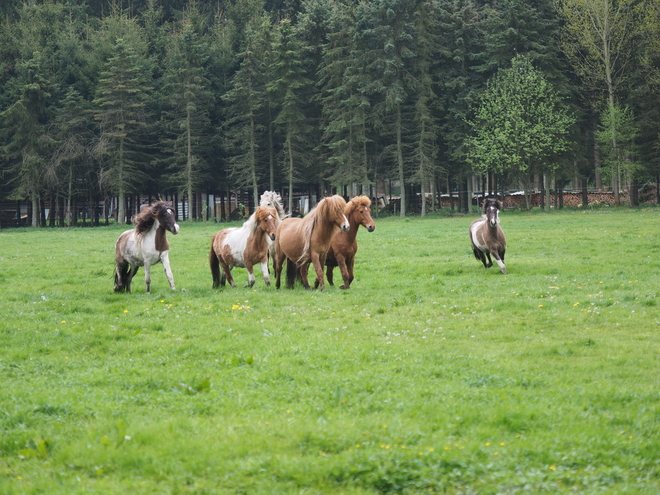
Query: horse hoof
[{"x": 345, "y": 287}]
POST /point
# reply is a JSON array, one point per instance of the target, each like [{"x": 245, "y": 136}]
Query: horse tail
[
  {"x": 215, "y": 268},
  {"x": 291, "y": 273}
]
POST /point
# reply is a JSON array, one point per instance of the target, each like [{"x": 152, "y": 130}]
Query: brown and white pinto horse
[
  {"x": 306, "y": 240},
  {"x": 145, "y": 245},
  {"x": 487, "y": 236},
  {"x": 243, "y": 247},
  {"x": 344, "y": 245}
]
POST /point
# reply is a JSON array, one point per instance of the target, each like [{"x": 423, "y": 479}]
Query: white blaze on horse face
[
  {"x": 345, "y": 226},
  {"x": 176, "y": 225}
]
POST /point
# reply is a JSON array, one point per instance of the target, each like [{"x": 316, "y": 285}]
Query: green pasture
[{"x": 430, "y": 375}]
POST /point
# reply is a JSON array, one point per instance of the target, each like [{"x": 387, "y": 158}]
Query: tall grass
[{"x": 431, "y": 374}]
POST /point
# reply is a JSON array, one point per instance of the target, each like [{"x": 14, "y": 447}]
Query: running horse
[
  {"x": 145, "y": 245},
  {"x": 305, "y": 241},
  {"x": 487, "y": 236},
  {"x": 344, "y": 245},
  {"x": 244, "y": 247}
]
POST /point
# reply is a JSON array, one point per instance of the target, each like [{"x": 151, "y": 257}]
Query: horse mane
[
  {"x": 492, "y": 202},
  {"x": 144, "y": 220},
  {"x": 274, "y": 200},
  {"x": 355, "y": 203}
]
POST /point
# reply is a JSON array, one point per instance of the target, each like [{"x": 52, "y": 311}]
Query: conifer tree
[
  {"x": 188, "y": 104},
  {"x": 288, "y": 85}
]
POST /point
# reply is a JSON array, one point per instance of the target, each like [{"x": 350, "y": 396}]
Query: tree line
[{"x": 106, "y": 99}]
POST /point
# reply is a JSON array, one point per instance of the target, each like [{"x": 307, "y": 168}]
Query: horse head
[
  {"x": 162, "y": 212},
  {"x": 492, "y": 209},
  {"x": 333, "y": 209},
  {"x": 266, "y": 219},
  {"x": 358, "y": 210},
  {"x": 273, "y": 200}
]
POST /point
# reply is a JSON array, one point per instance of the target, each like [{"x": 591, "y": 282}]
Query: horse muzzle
[
  {"x": 272, "y": 236},
  {"x": 371, "y": 228},
  {"x": 175, "y": 229}
]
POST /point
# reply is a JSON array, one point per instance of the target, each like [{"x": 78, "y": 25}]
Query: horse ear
[{"x": 500, "y": 205}]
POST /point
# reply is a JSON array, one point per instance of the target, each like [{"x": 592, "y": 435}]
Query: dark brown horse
[
  {"x": 344, "y": 245},
  {"x": 487, "y": 236},
  {"x": 306, "y": 240},
  {"x": 145, "y": 245},
  {"x": 243, "y": 247}
]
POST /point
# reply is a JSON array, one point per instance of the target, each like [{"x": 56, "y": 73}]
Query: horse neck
[
  {"x": 256, "y": 238},
  {"x": 160, "y": 236}
]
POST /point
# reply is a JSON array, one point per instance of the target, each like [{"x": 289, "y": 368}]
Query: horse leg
[
  {"x": 147, "y": 277},
  {"x": 490, "y": 261},
  {"x": 121, "y": 272},
  {"x": 278, "y": 260},
  {"x": 264, "y": 271},
  {"x": 500, "y": 261},
  {"x": 329, "y": 272},
  {"x": 165, "y": 258},
  {"x": 129, "y": 277},
  {"x": 318, "y": 262},
  {"x": 341, "y": 262},
  {"x": 250, "y": 269},
  {"x": 226, "y": 274},
  {"x": 215, "y": 268},
  {"x": 350, "y": 264},
  {"x": 304, "y": 269}
]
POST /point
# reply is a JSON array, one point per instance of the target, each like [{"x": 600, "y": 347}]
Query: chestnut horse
[
  {"x": 344, "y": 245},
  {"x": 487, "y": 236},
  {"x": 243, "y": 247},
  {"x": 306, "y": 240},
  {"x": 145, "y": 245}
]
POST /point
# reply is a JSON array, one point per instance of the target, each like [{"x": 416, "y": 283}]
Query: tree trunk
[{"x": 399, "y": 159}]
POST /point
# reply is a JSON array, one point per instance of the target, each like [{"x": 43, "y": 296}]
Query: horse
[
  {"x": 307, "y": 240},
  {"x": 243, "y": 247},
  {"x": 487, "y": 236},
  {"x": 273, "y": 200},
  {"x": 344, "y": 244},
  {"x": 145, "y": 245}
]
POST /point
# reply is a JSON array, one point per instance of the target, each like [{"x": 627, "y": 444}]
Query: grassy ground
[{"x": 431, "y": 374}]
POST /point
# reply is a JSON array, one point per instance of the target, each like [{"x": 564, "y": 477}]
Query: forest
[{"x": 107, "y": 102}]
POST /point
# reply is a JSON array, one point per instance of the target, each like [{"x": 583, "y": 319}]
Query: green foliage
[
  {"x": 431, "y": 374},
  {"x": 519, "y": 122}
]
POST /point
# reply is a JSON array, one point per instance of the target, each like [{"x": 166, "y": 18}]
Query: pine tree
[
  {"x": 246, "y": 103},
  {"x": 189, "y": 101},
  {"x": 119, "y": 108},
  {"x": 288, "y": 85}
]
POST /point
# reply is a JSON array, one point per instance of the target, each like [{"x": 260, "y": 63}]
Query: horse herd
[{"x": 325, "y": 238}]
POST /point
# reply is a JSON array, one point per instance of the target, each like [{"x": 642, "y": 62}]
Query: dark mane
[
  {"x": 488, "y": 202},
  {"x": 144, "y": 220}
]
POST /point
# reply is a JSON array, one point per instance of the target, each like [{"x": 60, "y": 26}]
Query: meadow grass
[{"x": 431, "y": 374}]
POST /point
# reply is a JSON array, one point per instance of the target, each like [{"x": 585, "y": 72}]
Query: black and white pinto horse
[
  {"x": 273, "y": 200},
  {"x": 145, "y": 245},
  {"x": 487, "y": 236}
]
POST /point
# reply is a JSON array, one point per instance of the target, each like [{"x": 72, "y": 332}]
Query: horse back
[{"x": 289, "y": 238}]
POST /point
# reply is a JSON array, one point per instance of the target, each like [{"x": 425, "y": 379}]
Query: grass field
[{"x": 430, "y": 375}]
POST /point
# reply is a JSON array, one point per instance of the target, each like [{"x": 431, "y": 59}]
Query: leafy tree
[
  {"x": 518, "y": 124},
  {"x": 625, "y": 153},
  {"x": 598, "y": 41}
]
